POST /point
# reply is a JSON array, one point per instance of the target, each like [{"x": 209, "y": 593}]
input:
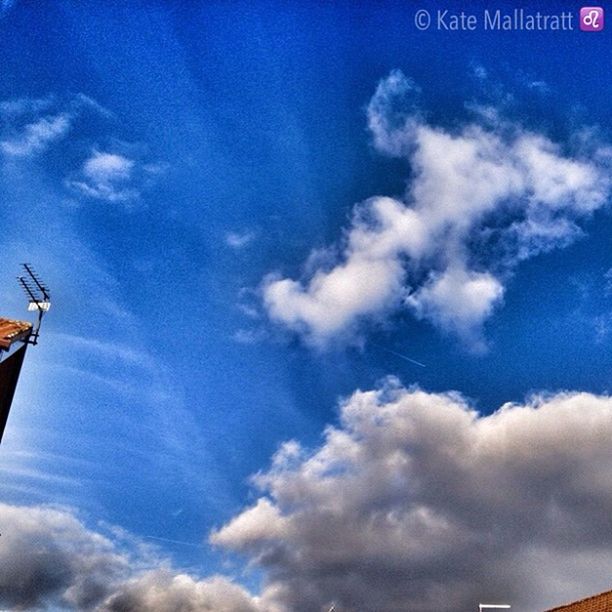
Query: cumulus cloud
[
  {"x": 481, "y": 199},
  {"x": 165, "y": 591},
  {"x": 107, "y": 167},
  {"x": 416, "y": 502},
  {"x": 457, "y": 300},
  {"x": 106, "y": 176},
  {"x": 50, "y": 559},
  {"x": 412, "y": 502},
  {"x": 112, "y": 177},
  {"x": 48, "y": 555}
]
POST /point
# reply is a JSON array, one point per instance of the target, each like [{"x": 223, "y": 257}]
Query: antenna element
[{"x": 39, "y": 297}]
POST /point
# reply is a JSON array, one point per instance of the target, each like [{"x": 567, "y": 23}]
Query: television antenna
[{"x": 39, "y": 297}]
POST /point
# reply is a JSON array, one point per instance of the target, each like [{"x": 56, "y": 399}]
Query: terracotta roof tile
[
  {"x": 11, "y": 331},
  {"x": 596, "y": 603}
]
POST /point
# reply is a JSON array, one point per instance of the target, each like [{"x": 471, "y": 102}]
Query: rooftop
[
  {"x": 11, "y": 331},
  {"x": 596, "y": 603}
]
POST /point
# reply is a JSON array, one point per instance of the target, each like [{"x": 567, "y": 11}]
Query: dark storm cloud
[
  {"x": 49, "y": 558},
  {"x": 47, "y": 554}
]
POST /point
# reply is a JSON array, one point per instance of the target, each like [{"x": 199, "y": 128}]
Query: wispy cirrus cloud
[
  {"x": 608, "y": 282},
  {"x": 118, "y": 172},
  {"x": 9, "y": 109},
  {"x": 239, "y": 240},
  {"x": 32, "y": 125},
  {"x": 37, "y": 136},
  {"x": 484, "y": 196}
]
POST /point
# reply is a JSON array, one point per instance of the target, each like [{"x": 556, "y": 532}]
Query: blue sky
[{"x": 168, "y": 166}]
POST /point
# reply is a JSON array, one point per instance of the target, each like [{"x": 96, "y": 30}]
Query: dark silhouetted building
[{"x": 14, "y": 337}]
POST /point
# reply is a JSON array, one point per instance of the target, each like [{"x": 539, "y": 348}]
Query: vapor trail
[{"x": 422, "y": 365}]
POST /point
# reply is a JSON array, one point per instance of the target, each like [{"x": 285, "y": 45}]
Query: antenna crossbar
[{"x": 38, "y": 294}]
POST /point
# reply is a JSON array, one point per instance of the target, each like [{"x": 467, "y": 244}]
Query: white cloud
[
  {"x": 481, "y": 200},
  {"x": 334, "y": 299},
  {"x": 541, "y": 86},
  {"x": 107, "y": 167},
  {"x": 10, "y": 109},
  {"x": 457, "y": 300},
  {"x": 106, "y": 176},
  {"x": 249, "y": 336},
  {"x": 239, "y": 240},
  {"x": 165, "y": 591},
  {"x": 415, "y": 502},
  {"x": 111, "y": 176},
  {"x": 36, "y": 137},
  {"x": 393, "y": 112},
  {"x": 82, "y": 101},
  {"x": 28, "y": 132}
]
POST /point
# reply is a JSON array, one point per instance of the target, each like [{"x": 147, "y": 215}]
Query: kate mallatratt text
[{"x": 517, "y": 19}]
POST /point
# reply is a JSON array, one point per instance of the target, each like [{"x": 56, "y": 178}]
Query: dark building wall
[{"x": 9, "y": 375}]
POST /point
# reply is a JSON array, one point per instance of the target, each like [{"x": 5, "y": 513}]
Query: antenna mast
[
  {"x": 13, "y": 333},
  {"x": 39, "y": 297}
]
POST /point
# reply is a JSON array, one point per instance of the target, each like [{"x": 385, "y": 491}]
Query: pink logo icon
[{"x": 591, "y": 19}]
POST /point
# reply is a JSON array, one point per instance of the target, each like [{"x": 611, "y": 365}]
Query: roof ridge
[{"x": 579, "y": 601}]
